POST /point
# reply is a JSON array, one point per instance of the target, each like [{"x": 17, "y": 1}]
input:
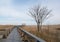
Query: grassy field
[
  {"x": 50, "y": 33},
  {"x": 5, "y": 30}
]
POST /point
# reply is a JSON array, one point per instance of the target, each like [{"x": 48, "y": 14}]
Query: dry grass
[
  {"x": 49, "y": 33},
  {"x": 5, "y": 30}
]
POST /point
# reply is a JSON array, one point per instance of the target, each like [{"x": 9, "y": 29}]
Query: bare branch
[{"x": 39, "y": 14}]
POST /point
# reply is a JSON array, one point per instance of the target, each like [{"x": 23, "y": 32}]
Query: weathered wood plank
[
  {"x": 1, "y": 36},
  {"x": 13, "y": 37},
  {"x": 32, "y": 36}
]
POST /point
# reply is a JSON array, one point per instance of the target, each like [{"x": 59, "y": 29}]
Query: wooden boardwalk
[{"x": 13, "y": 37}]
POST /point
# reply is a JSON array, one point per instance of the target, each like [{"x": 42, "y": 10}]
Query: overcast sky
[{"x": 15, "y": 11}]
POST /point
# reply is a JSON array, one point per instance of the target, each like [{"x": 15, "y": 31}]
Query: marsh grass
[
  {"x": 5, "y": 30},
  {"x": 49, "y": 33}
]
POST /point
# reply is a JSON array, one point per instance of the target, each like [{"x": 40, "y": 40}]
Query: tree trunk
[
  {"x": 41, "y": 26},
  {"x": 38, "y": 26}
]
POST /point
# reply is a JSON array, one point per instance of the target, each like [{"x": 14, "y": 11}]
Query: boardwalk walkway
[{"x": 13, "y": 36}]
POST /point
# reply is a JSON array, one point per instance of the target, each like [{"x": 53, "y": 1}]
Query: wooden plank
[
  {"x": 32, "y": 36},
  {"x": 14, "y": 36},
  {"x": 1, "y": 36}
]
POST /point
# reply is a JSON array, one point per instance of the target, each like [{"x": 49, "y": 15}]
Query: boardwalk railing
[{"x": 32, "y": 38}]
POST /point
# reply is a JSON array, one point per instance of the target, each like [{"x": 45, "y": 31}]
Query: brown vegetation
[
  {"x": 5, "y": 30},
  {"x": 50, "y": 33}
]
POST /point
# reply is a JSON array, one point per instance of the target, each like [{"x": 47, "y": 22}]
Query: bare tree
[{"x": 39, "y": 14}]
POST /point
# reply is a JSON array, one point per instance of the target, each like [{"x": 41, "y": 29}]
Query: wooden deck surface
[{"x": 13, "y": 37}]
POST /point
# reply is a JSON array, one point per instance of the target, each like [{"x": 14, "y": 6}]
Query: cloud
[
  {"x": 9, "y": 12},
  {"x": 15, "y": 11}
]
